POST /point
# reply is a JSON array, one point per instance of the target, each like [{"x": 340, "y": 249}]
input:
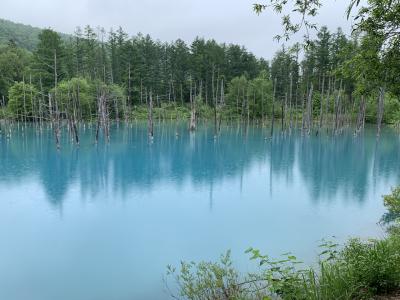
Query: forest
[{"x": 332, "y": 80}]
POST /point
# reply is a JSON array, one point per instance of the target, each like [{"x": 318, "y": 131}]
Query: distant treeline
[{"x": 95, "y": 73}]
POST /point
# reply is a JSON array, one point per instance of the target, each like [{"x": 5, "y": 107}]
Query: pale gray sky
[{"x": 224, "y": 20}]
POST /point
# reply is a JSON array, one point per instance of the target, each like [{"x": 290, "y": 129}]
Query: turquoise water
[{"x": 102, "y": 222}]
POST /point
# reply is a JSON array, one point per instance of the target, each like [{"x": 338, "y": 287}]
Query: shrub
[
  {"x": 392, "y": 201},
  {"x": 210, "y": 280}
]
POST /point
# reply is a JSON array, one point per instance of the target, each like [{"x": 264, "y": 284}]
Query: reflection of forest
[{"x": 326, "y": 164}]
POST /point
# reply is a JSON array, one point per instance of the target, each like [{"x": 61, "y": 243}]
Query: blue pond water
[{"x": 102, "y": 222}]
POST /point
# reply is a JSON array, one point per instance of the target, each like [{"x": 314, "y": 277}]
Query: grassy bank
[{"x": 358, "y": 269}]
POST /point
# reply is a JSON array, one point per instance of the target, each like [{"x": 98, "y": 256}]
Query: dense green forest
[{"x": 334, "y": 80}]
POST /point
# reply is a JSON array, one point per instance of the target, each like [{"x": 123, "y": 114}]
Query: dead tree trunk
[
  {"x": 321, "y": 110},
  {"x": 304, "y": 110},
  {"x": 192, "y": 126},
  {"x": 380, "y": 109},
  {"x": 55, "y": 122},
  {"x": 221, "y": 104},
  {"x": 361, "y": 115},
  {"x": 262, "y": 105},
  {"x": 337, "y": 109},
  {"x": 57, "y": 132},
  {"x": 273, "y": 109},
  {"x": 150, "y": 117},
  {"x": 327, "y": 101},
  {"x": 290, "y": 103},
  {"x": 75, "y": 117},
  {"x": 24, "y": 95},
  {"x": 98, "y": 120},
  {"x": 103, "y": 115},
  {"x": 192, "y": 122},
  {"x": 310, "y": 110},
  {"x": 284, "y": 113}
]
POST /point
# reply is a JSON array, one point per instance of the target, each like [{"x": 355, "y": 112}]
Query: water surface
[{"x": 101, "y": 222}]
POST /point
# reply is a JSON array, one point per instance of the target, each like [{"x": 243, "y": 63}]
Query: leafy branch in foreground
[
  {"x": 378, "y": 18},
  {"x": 305, "y": 10},
  {"x": 392, "y": 217}
]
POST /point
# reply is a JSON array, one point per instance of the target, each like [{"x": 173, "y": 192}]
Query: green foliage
[
  {"x": 285, "y": 71},
  {"x": 14, "y": 63},
  {"x": 391, "y": 219},
  {"x": 253, "y": 95},
  {"x": 49, "y": 59},
  {"x": 209, "y": 280},
  {"x": 392, "y": 201},
  {"x": 76, "y": 92},
  {"x": 392, "y": 109},
  {"x": 236, "y": 98},
  {"x": 358, "y": 271},
  {"x": 21, "y": 100},
  {"x": 373, "y": 265},
  {"x": 304, "y": 10},
  {"x": 166, "y": 111}
]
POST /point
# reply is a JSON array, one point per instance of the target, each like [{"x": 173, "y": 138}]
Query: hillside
[{"x": 25, "y": 36}]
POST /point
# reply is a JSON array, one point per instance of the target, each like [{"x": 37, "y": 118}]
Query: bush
[
  {"x": 392, "y": 201},
  {"x": 210, "y": 280},
  {"x": 373, "y": 266}
]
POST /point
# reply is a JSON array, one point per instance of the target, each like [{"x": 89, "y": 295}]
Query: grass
[{"x": 356, "y": 270}]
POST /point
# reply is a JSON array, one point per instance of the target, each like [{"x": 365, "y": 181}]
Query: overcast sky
[{"x": 224, "y": 20}]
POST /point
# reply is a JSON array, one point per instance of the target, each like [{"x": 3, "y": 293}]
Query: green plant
[
  {"x": 392, "y": 201},
  {"x": 374, "y": 265},
  {"x": 210, "y": 280}
]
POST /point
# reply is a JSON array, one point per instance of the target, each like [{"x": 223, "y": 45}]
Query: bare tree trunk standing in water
[
  {"x": 262, "y": 106},
  {"x": 273, "y": 109},
  {"x": 337, "y": 108},
  {"x": 380, "y": 109},
  {"x": 75, "y": 116},
  {"x": 361, "y": 115},
  {"x": 103, "y": 115},
  {"x": 221, "y": 103},
  {"x": 321, "y": 110},
  {"x": 57, "y": 132},
  {"x": 237, "y": 101},
  {"x": 304, "y": 110},
  {"x": 327, "y": 102},
  {"x": 284, "y": 114},
  {"x": 3, "y": 105},
  {"x": 290, "y": 103},
  {"x": 129, "y": 87},
  {"x": 192, "y": 124},
  {"x": 55, "y": 120},
  {"x": 310, "y": 109},
  {"x": 150, "y": 117},
  {"x": 98, "y": 119}
]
